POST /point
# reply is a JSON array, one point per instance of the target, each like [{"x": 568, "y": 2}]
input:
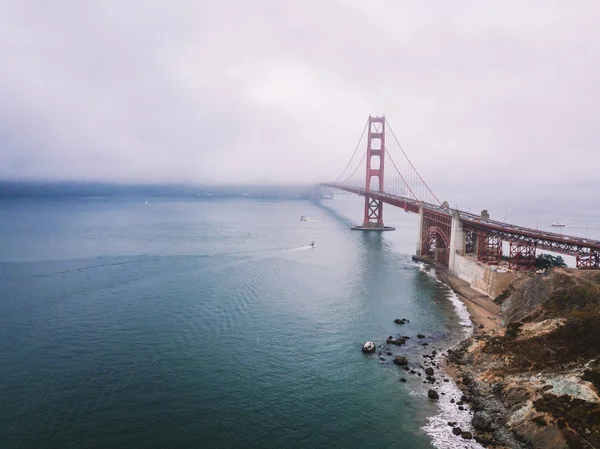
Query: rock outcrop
[
  {"x": 369, "y": 347},
  {"x": 536, "y": 383}
]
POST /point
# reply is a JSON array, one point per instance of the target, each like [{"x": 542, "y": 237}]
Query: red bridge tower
[{"x": 373, "y": 220}]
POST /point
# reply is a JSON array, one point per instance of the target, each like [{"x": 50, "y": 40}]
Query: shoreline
[
  {"x": 483, "y": 311},
  {"x": 484, "y": 315},
  {"x": 519, "y": 390},
  {"x": 481, "y": 308}
]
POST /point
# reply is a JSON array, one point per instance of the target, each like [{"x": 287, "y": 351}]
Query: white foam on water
[
  {"x": 460, "y": 308},
  {"x": 437, "y": 427}
]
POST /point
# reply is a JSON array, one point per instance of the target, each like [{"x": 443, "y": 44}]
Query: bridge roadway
[{"x": 549, "y": 241}]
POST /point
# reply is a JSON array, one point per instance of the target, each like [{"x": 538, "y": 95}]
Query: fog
[{"x": 499, "y": 98}]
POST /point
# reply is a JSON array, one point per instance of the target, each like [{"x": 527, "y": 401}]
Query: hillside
[{"x": 536, "y": 382}]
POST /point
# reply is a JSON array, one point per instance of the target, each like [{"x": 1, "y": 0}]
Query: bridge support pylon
[
  {"x": 457, "y": 241},
  {"x": 373, "y": 219}
]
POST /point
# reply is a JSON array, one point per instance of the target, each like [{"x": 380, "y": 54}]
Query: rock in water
[
  {"x": 429, "y": 371},
  {"x": 395, "y": 341},
  {"x": 400, "y": 360},
  {"x": 398, "y": 321},
  {"x": 466, "y": 435},
  {"x": 433, "y": 394},
  {"x": 369, "y": 347}
]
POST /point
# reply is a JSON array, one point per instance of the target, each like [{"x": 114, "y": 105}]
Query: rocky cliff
[{"x": 536, "y": 382}]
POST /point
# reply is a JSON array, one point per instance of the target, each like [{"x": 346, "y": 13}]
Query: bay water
[{"x": 173, "y": 323}]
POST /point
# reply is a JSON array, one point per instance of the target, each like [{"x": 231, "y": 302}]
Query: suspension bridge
[{"x": 381, "y": 172}]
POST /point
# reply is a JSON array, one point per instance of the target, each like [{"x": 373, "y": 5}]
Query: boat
[
  {"x": 558, "y": 224},
  {"x": 312, "y": 244},
  {"x": 303, "y": 218}
]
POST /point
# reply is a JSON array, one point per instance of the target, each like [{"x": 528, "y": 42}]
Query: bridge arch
[{"x": 436, "y": 243}]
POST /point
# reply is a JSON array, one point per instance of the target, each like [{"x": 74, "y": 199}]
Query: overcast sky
[{"x": 279, "y": 90}]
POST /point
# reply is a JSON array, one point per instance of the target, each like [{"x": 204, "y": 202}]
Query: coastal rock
[
  {"x": 420, "y": 336},
  {"x": 481, "y": 420},
  {"x": 485, "y": 442},
  {"x": 400, "y": 320},
  {"x": 429, "y": 371},
  {"x": 395, "y": 341},
  {"x": 432, "y": 394},
  {"x": 369, "y": 347},
  {"x": 466, "y": 435},
  {"x": 401, "y": 360},
  {"x": 524, "y": 381},
  {"x": 457, "y": 431}
]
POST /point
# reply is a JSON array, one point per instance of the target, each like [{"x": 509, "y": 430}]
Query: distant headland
[{"x": 98, "y": 189}]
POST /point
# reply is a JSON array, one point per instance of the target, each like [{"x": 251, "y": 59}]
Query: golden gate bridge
[{"x": 381, "y": 172}]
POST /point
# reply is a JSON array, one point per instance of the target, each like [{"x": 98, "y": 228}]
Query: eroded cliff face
[{"x": 536, "y": 382}]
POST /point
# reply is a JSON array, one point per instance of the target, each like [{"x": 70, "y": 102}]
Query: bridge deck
[{"x": 545, "y": 240}]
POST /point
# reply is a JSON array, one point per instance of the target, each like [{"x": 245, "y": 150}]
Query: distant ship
[
  {"x": 303, "y": 218},
  {"x": 558, "y": 224}
]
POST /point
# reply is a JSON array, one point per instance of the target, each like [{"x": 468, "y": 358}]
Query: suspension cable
[
  {"x": 353, "y": 154},
  {"x": 413, "y": 167},
  {"x": 357, "y": 167},
  {"x": 405, "y": 183}
]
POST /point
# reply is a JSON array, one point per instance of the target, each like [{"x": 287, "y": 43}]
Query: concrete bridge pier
[
  {"x": 420, "y": 231},
  {"x": 457, "y": 241}
]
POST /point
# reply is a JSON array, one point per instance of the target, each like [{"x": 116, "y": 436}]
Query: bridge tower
[{"x": 373, "y": 219}]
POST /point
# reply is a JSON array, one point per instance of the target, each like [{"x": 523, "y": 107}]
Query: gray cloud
[{"x": 279, "y": 91}]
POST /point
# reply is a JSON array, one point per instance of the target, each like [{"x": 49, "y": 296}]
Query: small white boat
[{"x": 312, "y": 244}]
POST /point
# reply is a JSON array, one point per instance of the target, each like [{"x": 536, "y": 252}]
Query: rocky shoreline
[{"x": 532, "y": 379}]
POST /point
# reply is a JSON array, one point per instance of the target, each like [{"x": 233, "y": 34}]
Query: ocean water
[{"x": 180, "y": 323}]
